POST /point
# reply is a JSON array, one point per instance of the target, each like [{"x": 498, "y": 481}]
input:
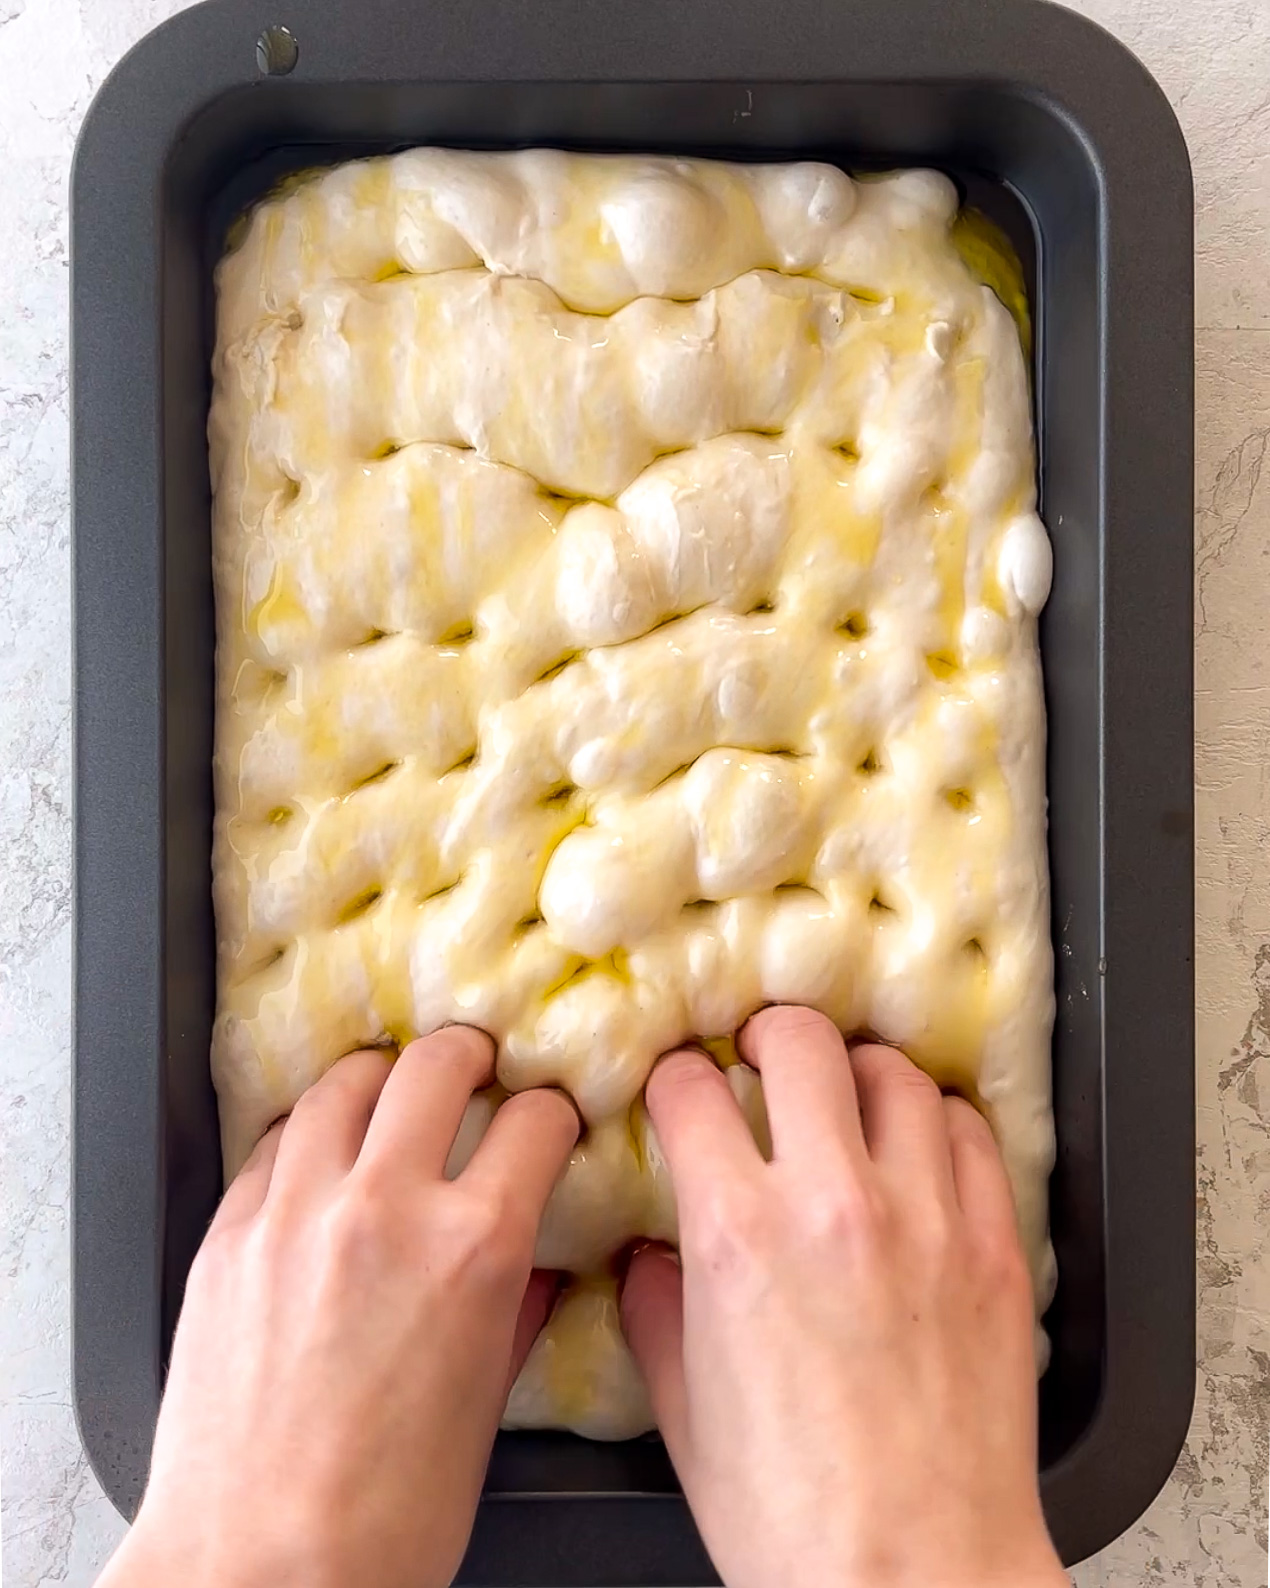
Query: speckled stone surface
[{"x": 1213, "y": 58}]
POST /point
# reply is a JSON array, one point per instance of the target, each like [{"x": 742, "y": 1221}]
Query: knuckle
[
  {"x": 353, "y": 1227},
  {"x": 1003, "y": 1263},
  {"x": 725, "y": 1229},
  {"x": 226, "y": 1227},
  {"x": 936, "y": 1235},
  {"x": 233, "y": 1248},
  {"x": 846, "y": 1209},
  {"x": 213, "y": 1258},
  {"x": 268, "y": 1238},
  {"x": 485, "y": 1216},
  {"x": 485, "y": 1238},
  {"x": 367, "y": 1225},
  {"x": 376, "y": 1179}
]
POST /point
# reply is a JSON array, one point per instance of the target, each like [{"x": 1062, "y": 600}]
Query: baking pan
[{"x": 1058, "y": 131}]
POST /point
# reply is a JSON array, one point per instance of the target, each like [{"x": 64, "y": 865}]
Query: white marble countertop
[{"x": 1213, "y": 59}]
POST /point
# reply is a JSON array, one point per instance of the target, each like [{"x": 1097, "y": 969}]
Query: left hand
[{"x": 351, "y": 1329}]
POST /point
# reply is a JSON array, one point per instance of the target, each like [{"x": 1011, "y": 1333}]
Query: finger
[
  {"x": 249, "y": 1187},
  {"x": 652, "y": 1311},
  {"x": 540, "y": 1297},
  {"x": 524, "y": 1153},
  {"x": 903, "y": 1116},
  {"x": 982, "y": 1185},
  {"x": 423, "y": 1100},
  {"x": 699, "y": 1124},
  {"x": 325, "y": 1130},
  {"x": 808, "y": 1085}
]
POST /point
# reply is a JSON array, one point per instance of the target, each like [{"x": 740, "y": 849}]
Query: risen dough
[{"x": 626, "y": 573}]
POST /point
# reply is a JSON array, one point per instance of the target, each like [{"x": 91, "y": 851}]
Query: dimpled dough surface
[{"x": 627, "y": 574}]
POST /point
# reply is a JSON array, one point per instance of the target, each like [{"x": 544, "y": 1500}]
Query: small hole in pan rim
[{"x": 277, "y": 51}]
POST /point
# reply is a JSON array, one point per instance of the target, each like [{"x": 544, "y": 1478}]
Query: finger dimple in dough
[{"x": 627, "y": 573}]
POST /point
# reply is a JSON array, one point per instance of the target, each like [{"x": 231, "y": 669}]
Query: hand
[
  {"x": 843, "y": 1370},
  {"x": 351, "y": 1329}
]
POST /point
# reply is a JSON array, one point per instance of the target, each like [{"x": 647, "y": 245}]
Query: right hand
[{"x": 842, "y": 1362}]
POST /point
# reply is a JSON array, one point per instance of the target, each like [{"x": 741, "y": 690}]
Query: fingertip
[
  {"x": 651, "y": 1274},
  {"x": 350, "y": 1079},
  {"x": 687, "y": 1053},
  {"x": 328, "y": 1123},
  {"x": 808, "y": 1087},
  {"x": 550, "y": 1118},
  {"x": 972, "y": 1140},
  {"x": 566, "y": 1111},
  {"x": 650, "y": 1308},
  {"x": 700, "y": 1129},
  {"x": 466, "y": 1046},
  {"x": 886, "y": 1071},
  {"x": 686, "y": 1066},
  {"x": 780, "y": 1023},
  {"x": 527, "y": 1148},
  {"x": 536, "y": 1307},
  {"x": 882, "y": 1052},
  {"x": 246, "y": 1192},
  {"x": 366, "y": 1059},
  {"x": 265, "y": 1149},
  {"x": 542, "y": 1292},
  {"x": 966, "y": 1122},
  {"x": 424, "y": 1100},
  {"x": 361, "y": 1073},
  {"x": 980, "y": 1177},
  {"x": 547, "y": 1111}
]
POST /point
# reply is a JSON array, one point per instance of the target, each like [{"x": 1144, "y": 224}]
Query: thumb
[{"x": 653, "y": 1323}]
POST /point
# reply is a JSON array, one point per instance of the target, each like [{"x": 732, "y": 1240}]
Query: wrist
[
  {"x": 158, "y": 1553},
  {"x": 1020, "y": 1566},
  {"x": 153, "y": 1556},
  {"x": 1032, "y": 1573}
]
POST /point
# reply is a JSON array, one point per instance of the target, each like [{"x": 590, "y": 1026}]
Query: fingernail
[
  {"x": 624, "y": 1259},
  {"x": 628, "y": 1255}
]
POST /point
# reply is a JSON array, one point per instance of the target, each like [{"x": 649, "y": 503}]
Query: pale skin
[{"x": 841, "y": 1361}]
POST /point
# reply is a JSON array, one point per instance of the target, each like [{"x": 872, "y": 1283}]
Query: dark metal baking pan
[{"x": 1046, "y": 121}]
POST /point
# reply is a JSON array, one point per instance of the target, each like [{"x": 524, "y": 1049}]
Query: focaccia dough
[{"x": 627, "y": 573}]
